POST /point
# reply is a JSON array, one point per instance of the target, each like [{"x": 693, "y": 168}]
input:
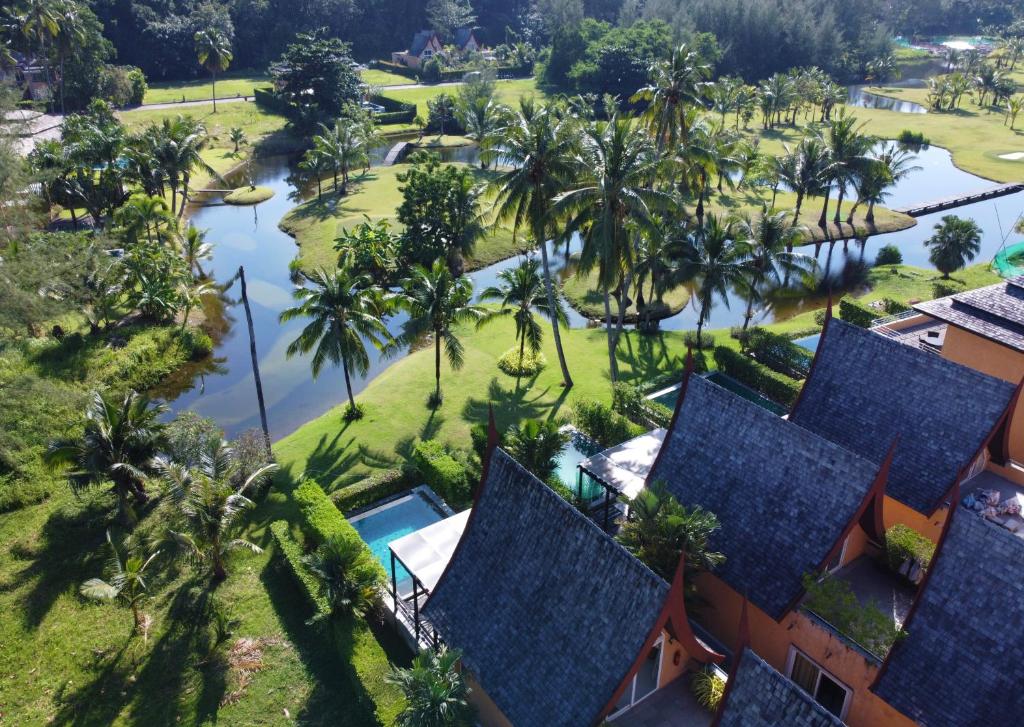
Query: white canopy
[
  {"x": 958, "y": 45},
  {"x": 626, "y": 466},
  {"x": 426, "y": 552}
]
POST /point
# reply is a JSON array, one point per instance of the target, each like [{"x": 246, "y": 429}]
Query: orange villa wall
[
  {"x": 993, "y": 359},
  {"x": 894, "y": 511},
  {"x": 771, "y": 641}
]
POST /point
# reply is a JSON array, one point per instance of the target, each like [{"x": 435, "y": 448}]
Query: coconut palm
[
  {"x": 314, "y": 164},
  {"x": 611, "y": 203},
  {"x": 342, "y": 147},
  {"x": 237, "y": 137},
  {"x": 848, "y": 149},
  {"x": 521, "y": 291},
  {"x": 346, "y": 312},
  {"x": 813, "y": 170},
  {"x": 39, "y": 23},
  {"x": 71, "y": 33},
  {"x": 770, "y": 237},
  {"x": 437, "y": 302},
  {"x": 718, "y": 261},
  {"x": 1014, "y": 105},
  {"x": 195, "y": 249},
  {"x": 537, "y": 143},
  {"x": 121, "y": 438},
  {"x": 126, "y": 580},
  {"x": 659, "y": 530},
  {"x": 213, "y": 50},
  {"x": 463, "y": 221},
  {"x": 891, "y": 164},
  {"x": 348, "y": 574},
  {"x": 435, "y": 691},
  {"x": 675, "y": 84},
  {"x": 955, "y": 243},
  {"x": 536, "y": 445},
  {"x": 178, "y": 154},
  {"x": 204, "y": 505},
  {"x": 145, "y": 216},
  {"x": 482, "y": 118},
  {"x": 190, "y": 297}
]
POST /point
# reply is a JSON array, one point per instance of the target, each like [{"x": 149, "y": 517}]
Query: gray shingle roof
[
  {"x": 419, "y": 42},
  {"x": 462, "y": 36},
  {"x": 865, "y": 389},
  {"x": 995, "y": 312},
  {"x": 782, "y": 494},
  {"x": 961, "y": 662},
  {"x": 549, "y": 611},
  {"x": 761, "y": 697}
]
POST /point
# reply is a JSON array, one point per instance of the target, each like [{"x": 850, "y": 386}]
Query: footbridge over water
[{"x": 948, "y": 203}]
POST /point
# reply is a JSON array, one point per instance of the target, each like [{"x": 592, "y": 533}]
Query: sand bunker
[{"x": 1013, "y": 156}]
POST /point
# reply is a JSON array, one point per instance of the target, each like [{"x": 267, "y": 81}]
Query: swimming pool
[
  {"x": 579, "y": 448},
  {"x": 393, "y": 519},
  {"x": 809, "y": 343},
  {"x": 669, "y": 397}
]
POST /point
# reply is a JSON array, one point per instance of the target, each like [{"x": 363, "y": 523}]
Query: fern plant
[{"x": 708, "y": 687}]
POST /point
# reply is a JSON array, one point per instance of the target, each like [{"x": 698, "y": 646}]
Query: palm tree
[
  {"x": 237, "y": 137},
  {"x": 813, "y": 168},
  {"x": 435, "y": 691},
  {"x": 195, "y": 249},
  {"x": 717, "y": 262},
  {"x": 464, "y": 223},
  {"x": 205, "y": 505},
  {"x": 659, "y": 530},
  {"x": 521, "y": 291},
  {"x": 436, "y": 302},
  {"x": 348, "y": 574},
  {"x": 675, "y": 84},
  {"x": 848, "y": 149},
  {"x": 213, "y": 50},
  {"x": 190, "y": 297},
  {"x": 612, "y": 203},
  {"x": 341, "y": 147},
  {"x": 1014, "y": 105},
  {"x": 178, "y": 154},
  {"x": 770, "y": 237},
  {"x": 537, "y": 445},
  {"x": 70, "y": 34},
  {"x": 482, "y": 118},
  {"x": 537, "y": 144},
  {"x": 141, "y": 215},
  {"x": 39, "y": 23},
  {"x": 126, "y": 581},
  {"x": 314, "y": 164},
  {"x": 121, "y": 439},
  {"x": 955, "y": 243},
  {"x": 892, "y": 164},
  {"x": 346, "y": 312}
]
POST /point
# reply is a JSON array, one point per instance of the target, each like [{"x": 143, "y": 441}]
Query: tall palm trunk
[
  {"x": 437, "y": 366},
  {"x": 213, "y": 74},
  {"x": 549, "y": 290},
  {"x": 348, "y": 383},
  {"x": 613, "y": 367},
  {"x": 255, "y": 362},
  {"x": 749, "y": 312},
  {"x": 839, "y": 203},
  {"x": 823, "y": 219}
]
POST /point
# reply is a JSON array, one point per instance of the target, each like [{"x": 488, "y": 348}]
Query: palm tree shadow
[
  {"x": 652, "y": 357},
  {"x": 92, "y": 703},
  {"x": 509, "y": 406}
]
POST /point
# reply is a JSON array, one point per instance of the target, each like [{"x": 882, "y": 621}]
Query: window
[
  {"x": 644, "y": 683},
  {"x": 835, "y": 563},
  {"x": 826, "y": 690}
]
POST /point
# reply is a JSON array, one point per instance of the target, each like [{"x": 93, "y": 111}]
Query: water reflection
[{"x": 861, "y": 98}]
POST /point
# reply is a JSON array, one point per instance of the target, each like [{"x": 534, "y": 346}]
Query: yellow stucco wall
[
  {"x": 993, "y": 359},
  {"x": 488, "y": 713},
  {"x": 894, "y": 512}
]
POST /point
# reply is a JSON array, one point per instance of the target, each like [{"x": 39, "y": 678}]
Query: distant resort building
[
  {"x": 912, "y": 423},
  {"x": 27, "y": 74},
  {"x": 427, "y": 44}
]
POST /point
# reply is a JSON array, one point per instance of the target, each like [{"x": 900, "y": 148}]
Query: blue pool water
[
  {"x": 579, "y": 448},
  {"x": 390, "y": 521},
  {"x": 808, "y": 342},
  {"x": 669, "y": 398}
]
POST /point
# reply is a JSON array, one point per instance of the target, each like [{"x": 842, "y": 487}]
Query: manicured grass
[
  {"x": 248, "y": 195},
  {"x": 430, "y": 141},
  {"x": 375, "y": 195},
  {"x": 507, "y": 92},
  {"x": 909, "y": 284},
  {"x": 583, "y": 293},
  {"x": 229, "y": 85},
  {"x": 376, "y": 77}
]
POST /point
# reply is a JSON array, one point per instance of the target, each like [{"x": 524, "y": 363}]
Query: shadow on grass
[
  {"x": 93, "y": 703},
  {"x": 510, "y": 406},
  {"x": 649, "y": 356}
]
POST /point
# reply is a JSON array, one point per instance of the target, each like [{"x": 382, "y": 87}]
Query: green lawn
[
  {"x": 376, "y": 77},
  {"x": 229, "y": 85},
  {"x": 584, "y": 294},
  {"x": 375, "y": 195},
  {"x": 507, "y": 92}
]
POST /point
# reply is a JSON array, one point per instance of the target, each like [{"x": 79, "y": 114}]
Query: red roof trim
[
  {"x": 674, "y": 611},
  {"x": 869, "y": 511},
  {"x": 683, "y": 386}
]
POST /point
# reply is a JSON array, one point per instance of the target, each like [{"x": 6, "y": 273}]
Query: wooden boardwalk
[
  {"x": 395, "y": 155},
  {"x": 949, "y": 203}
]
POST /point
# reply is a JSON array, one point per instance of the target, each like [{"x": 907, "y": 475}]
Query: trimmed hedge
[
  {"x": 397, "y": 68},
  {"x": 373, "y": 488},
  {"x": 602, "y": 424},
  {"x": 942, "y": 288},
  {"x": 630, "y": 402},
  {"x": 292, "y": 554},
  {"x": 323, "y": 520},
  {"x": 270, "y": 101},
  {"x": 903, "y": 543},
  {"x": 395, "y": 111},
  {"x": 443, "y": 473},
  {"x": 857, "y": 313},
  {"x": 757, "y": 376},
  {"x": 777, "y": 352}
]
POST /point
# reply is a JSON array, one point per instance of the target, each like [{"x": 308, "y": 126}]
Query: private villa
[
  {"x": 427, "y": 43},
  {"x": 558, "y": 624}
]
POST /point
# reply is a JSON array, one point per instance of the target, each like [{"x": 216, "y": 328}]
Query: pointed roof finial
[{"x": 828, "y": 308}]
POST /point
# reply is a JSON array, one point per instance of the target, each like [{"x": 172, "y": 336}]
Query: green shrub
[
  {"x": 942, "y": 288},
  {"x": 602, "y": 424},
  {"x": 292, "y": 554},
  {"x": 778, "y": 352},
  {"x": 631, "y": 403},
  {"x": 857, "y": 313},
  {"x": 914, "y": 139},
  {"x": 196, "y": 343},
  {"x": 373, "y": 488},
  {"x": 443, "y": 473},
  {"x": 708, "y": 687},
  {"x": 531, "y": 363},
  {"x": 707, "y": 341},
  {"x": 322, "y": 519},
  {"x": 819, "y": 317},
  {"x": 834, "y": 601},
  {"x": 478, "y": 436},
  {"x": 889, "y": 255},
  {"x": 757, "y": 376},
  {"x": 893, "y": 307},
  {"x": 903, "y": 543}
]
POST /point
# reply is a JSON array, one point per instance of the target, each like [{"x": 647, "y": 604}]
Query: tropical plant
[
  {"x": 348, "y": 574},
  {"x": 659, "y": 530},
  {"x": 770, "y": 239},
  {"x": 346, "y": 312},
  {"x": 148, "y": 216},
  {"x": 213, "y": 50},
  {"x": 195, "y": 249},
  {"x": 436, "y": 692},
  {"x": 126, "y": 580},
  {"x": 675, "y": 84},
  {"x": 190, "y": 297},
  {"x": 521, "y": 292},
  {"x": 204, "y": 505},
  {"x": 482, "y": 118},
  {"x": 1014, "y": 105},
  {"x": 436, "y": 302},
  {"x": 537, "y": 144},
  {"x": 812, "y": 168},
  {"x": 237, "y": 137},
  {"x": 718, "y": 261},
  {"x": 872, "y": 180},
  {"x": 342, "y": 147},
  {"x": 122, "y": 437},
  {"x": 537, "y": 445},
  {"x": 955, "y": 243},
  {"x": 848, "y": 150},
  {"x": 708, "y": 687}
]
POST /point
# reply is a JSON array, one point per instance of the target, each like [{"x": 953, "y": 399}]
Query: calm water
[{"x": 249, "y": 236}]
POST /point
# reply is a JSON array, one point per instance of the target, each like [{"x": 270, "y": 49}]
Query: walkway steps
[
  {"x": 949, "y": 203},
  {"x": 395, "y": 155}
]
